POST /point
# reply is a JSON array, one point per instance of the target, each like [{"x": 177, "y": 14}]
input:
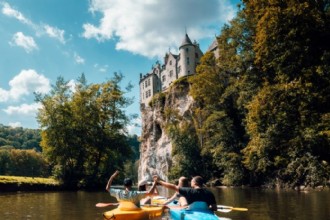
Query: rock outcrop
[{"x": 156, "y": 145}]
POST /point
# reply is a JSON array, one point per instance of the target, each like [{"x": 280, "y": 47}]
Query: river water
[{"x": 262, "y": 204}]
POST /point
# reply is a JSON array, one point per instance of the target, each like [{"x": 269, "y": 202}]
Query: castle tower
[{"x": 189, "y": 57}]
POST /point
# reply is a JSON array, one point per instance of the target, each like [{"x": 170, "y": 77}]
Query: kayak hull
[
  {"x": 184, "y": 214},
  {"x": 139, "y": 214}
]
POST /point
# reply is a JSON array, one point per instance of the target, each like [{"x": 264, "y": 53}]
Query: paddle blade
[
  {"x": 223, "y": 208},
  {"x": 240, "y": 209},
  {"x": 101, "y": 205}
]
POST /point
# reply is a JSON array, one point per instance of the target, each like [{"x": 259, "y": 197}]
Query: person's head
[
  {"x": 183, "y": 182},
  {"x": 128, "y": 182},
  {"x": 197, "y": 181}
]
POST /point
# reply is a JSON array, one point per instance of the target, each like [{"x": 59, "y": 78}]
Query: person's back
[
  {"x": 197, "y": 194},
  {"x": 193, "y": 194},
  {"x": 127, "y": 194}
]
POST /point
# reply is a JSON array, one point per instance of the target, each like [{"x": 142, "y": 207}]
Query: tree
[
  {"x": 84, "y": 132},
  {"x": 288, "y": 118}
]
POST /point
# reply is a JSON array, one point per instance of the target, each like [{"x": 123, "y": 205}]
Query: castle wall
[{"x": 169, "y": 74}]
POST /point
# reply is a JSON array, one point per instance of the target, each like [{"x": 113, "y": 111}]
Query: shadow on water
[{"x": 263, "y": 204}]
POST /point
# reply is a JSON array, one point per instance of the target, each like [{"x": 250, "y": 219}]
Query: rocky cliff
[{"x": 156, "y": 146}]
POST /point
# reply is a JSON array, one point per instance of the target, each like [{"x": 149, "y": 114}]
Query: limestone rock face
[{"x": 156, "y": 145}]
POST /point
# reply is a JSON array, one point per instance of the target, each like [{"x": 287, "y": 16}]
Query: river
[{"x": 263, "y": 204}]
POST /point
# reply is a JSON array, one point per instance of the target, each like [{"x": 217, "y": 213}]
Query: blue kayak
[
  {"x": 196, "y": 211},
  {"x": 184, "y": 214}
]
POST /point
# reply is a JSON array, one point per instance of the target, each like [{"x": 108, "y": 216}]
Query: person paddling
[
  {"x": 197, "y": 193},
  {"x": 128, "y": 195}
]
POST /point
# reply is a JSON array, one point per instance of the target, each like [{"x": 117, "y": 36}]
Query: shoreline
[{"x": 19, "y": 183}]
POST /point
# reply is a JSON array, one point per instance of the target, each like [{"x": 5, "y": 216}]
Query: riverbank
[{"x": 18, "y": 183}]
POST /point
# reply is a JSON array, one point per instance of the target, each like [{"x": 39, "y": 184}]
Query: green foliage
[
  {"x": 20, "y": 138},
  {"x": 84, "y": 132},
  {"x": 185, "y": 153},
  {"x": 23, "y": 163},
  {"x": 28, "y": 180},
  {"x": 261, "y": 112},
  {"x": 158, "y": 99}
]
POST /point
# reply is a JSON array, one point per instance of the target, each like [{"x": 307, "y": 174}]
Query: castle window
[
  {"x": 171, "y": 73},
  {"x": 187, "y": 49},
  {"x": 146, "y": 83},
  {"x": 170, "y": 62},
  {"x": 148, "y": 93},
  {"x": 188, "y": 61},
  {"x": 196, "y": 55},
  {"x": 163, "y": 78},
  {"x": 149, "y": 82}
]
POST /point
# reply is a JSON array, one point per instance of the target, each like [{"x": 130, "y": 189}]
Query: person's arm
[
  {"x": 107, "y": 188},
  {"x": 170, "y": 199},
  {"x": 167, "y": 185},
  {"x": 153, "y": 189}
]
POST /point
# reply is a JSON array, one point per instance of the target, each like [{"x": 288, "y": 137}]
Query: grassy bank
[{"x": 18, "y": 183}]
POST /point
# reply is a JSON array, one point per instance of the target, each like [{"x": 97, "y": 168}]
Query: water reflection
[{"x": 262, "y": 204}]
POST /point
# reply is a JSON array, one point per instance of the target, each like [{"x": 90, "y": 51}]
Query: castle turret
[{"x": 188, "y": 54}]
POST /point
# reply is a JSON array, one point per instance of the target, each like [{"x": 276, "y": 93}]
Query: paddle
[
  {"x": 223, "y": 208},
  {"x": 100, "y": 204}
]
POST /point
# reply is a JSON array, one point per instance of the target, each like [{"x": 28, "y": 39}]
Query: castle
[{"x": 175, "y": 66}]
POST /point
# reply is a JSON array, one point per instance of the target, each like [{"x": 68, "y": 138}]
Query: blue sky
[{"x": 44, "y": 39}]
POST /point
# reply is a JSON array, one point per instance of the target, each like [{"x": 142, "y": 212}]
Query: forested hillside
[
  {"x": 19, "y": 138},
  {"x": 262, "y": 112}
]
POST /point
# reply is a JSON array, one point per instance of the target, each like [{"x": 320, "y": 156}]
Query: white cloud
[
  {"x": 78, "y": 59},
  {"x": 9, "y": 11},
  {"x": 23, "y": 109},
  {"x": 54, "y": 32},
  {"x": 102, "y": 69},
  {"x": 4, "y": 95},
  {"x": 150, "y": 27},
  {"x": 15, "y": 124},
  {"x": 23, "y": 84},
  {"x": 26, "y": 42},
  {"x": 72, "y": 85},
  {"x": 50, "y": 31}
]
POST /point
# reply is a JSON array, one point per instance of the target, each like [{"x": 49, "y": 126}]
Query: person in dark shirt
[{"x": 197, "y": 193}]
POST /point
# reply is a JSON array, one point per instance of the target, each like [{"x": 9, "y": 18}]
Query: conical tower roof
[{"x": 186, "y": 41}]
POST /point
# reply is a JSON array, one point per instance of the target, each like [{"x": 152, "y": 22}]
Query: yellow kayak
[
  {"x": 133, "y": 213},
  {"x": 158, "y": 200}
]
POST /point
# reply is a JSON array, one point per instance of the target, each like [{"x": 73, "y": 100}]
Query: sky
[{"x": 41, "y": 40}]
